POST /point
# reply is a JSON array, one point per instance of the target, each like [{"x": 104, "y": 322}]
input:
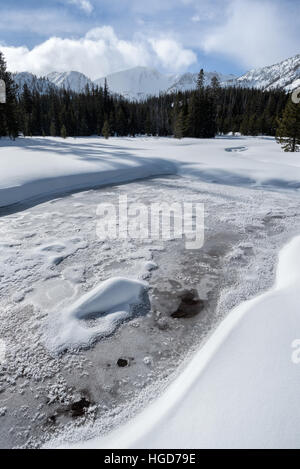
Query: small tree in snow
[{"x": 288, "y": 131}]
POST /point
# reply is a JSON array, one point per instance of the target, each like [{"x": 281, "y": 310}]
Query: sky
[{"x": 98, "y": 37}]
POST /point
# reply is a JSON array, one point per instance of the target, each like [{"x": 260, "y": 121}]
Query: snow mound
[{"x": 95, "y": 315}]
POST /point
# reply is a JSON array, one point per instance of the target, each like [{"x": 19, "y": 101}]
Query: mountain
[
  {"x": 188, "y": 81},
  {"x": 137, "y": 83},
  {"x": 74, "y": 81},
  {"x": 42, "y": 85},
  {"x": 284, "y": 75},
  {"x": 140, "y": 82}
]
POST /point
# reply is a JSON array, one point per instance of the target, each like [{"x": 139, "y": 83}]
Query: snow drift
[{"x": 94, "y": 315}]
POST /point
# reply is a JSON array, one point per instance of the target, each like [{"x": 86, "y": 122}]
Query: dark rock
[
  {"x": 52, "y": 419},
  {"x": 190, "y": 305},
  {"x": 78, "y": 408},
  {"x": 122, "y": 362}
]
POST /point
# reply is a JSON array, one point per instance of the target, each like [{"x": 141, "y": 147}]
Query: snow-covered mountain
[
  {"x": 284, "y": 75},
  {"x": 74, "y": 81},
  {"x": 140, "y": 82},
  {"x": 188, "y": 81},
  {"x": 42, "y": 85}
]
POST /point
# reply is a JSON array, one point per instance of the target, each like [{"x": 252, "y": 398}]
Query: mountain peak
[
  {"x": 139, "y": 82},
  {"x": 75, "y": 81}
]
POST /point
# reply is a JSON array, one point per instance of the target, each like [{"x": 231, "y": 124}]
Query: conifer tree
[
  {"x": 288, "y": 132},
  {"x": 200, "y": 80},
  {"x": 8, "y": 111},
  {"x": 179, "y": 125},
  {"x": 52, "y": 129},
  {"x": 63, "y": 131},
  {"x": 106, "y": 130}
]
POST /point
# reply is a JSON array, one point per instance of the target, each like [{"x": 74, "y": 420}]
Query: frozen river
[{"x": 50, "y": 255}]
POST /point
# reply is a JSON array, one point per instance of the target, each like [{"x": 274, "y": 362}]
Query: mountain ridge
[{"x": 138, "y": 83}]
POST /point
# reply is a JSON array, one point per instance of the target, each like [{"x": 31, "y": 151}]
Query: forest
[{"x": 201, "y": 113}]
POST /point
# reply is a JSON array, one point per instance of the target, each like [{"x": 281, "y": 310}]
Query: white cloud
[
  {"x": 84, "y": 5},
  {"x": 254, "y": 33},
  {"x": 172, "y": 54},
  {"x": 98, "y": 53}
]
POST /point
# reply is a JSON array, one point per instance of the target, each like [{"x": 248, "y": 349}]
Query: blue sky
[{"x": 98, "y": 37}]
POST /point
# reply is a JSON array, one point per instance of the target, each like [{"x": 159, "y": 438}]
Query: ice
[
  {"x": 242, "y": 389},
  {"x": 106, "y": 306},
  {"x": 51, "y": 258},
  {"x": 2, "y": 350}
]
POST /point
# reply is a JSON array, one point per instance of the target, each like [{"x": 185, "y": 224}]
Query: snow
[
  {"x": 106, "y": 306},
  {"x": 137, "y": 83},
  {"x": 41, "y": 85},
  {"x": 74, "y": 81},
  {"x": 241, "y": 390},
  {"x": 284, "y": 75},
  {"x": 140, "y": 82},
  {"x": 2, "y": 351},
  {"x": 35, "y": 167}
]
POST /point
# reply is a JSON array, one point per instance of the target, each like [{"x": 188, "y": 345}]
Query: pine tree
[
  {"x": 179, "y": 125},
  {"x": 288, "y": 131},
  {"x": 8, "y": 111},
  {"x": 106, "y": 130},
  {"x": 200, "y": 80},
  {"x": 52, "y": 129},
  {"x": 63, "y": 131},
  {"x": 215, "y": 84}
]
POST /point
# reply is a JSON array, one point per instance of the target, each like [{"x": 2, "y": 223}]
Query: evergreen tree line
[{"x": 202, "y": 113}]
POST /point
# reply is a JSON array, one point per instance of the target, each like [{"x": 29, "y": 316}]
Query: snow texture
[
  {"x": 74, "y": 81},
  {"x": 242, "y": 389},
  {"x": 95, "y": 315},
  {"x": 35, "y": 167}
]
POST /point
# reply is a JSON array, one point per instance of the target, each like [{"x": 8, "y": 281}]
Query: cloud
[
  {"x": 172, "y": 54},
  {"x": 98, "y": 53},
  {"x": 254, "y": 33},
  {"x": 84, "y": 5}
]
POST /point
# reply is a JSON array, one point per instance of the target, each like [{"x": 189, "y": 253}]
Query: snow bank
[
  {"x": 35, "y": 167},
  {"x": 96, "y": 314},
  {"x": 241, "y": 390}
]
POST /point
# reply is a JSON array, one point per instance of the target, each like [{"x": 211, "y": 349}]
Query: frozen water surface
[{"x": 51, "y": 258}]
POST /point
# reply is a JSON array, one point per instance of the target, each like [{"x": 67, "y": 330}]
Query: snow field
[{"x": 32, "y": 168}]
